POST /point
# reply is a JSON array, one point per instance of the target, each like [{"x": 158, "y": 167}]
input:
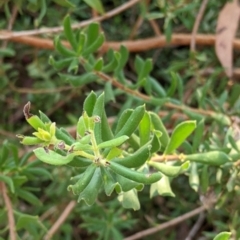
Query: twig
[
  {"x": 196, "y": 226},
  {"x": 139, "y": 45},
  {"x": 196, "y": 25},
  {"x": 165, "y": 225},
  {"x": 123, "y": 7},
  {"x": 39, "y": 91},
  {"x": 11, "y": 22},
  {"x": 11, "y": 221},
  {"x": 60, "y": 220}
]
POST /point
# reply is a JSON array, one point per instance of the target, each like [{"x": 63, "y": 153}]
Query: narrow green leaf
[
  {"x": 69, "y": 33},
  {"x": 89, "y": 103},
  {"x": 61, "y": 134},
  {"x": 137, "y": 159},
  {"x": 204, "y": 179},
  {"x": 113, "y": 62},
  {"x": 180, "y": 133},
  {"x": 211, "y": 158},
  {"x": 127, "y": 184},
  {"x": 98, "y": 111},
  {"x": 157, "y": 124},
  {"x": 94, "y": 46},
  {"x": 133, "y": 122},
  {"x": 51, "y": 157},
  {"x": 122, "y": 119},
  {"x": 82, "y": 183},
  {"x": 98, "y": 65},
  {"x": 134, "y": 175},
  {"x": 124, "y": 54},
  {"x": 78, "y": 81},
  {"x": 62, "y": 49},
  {"x": 60, "y": 64},
  {"x": 28, "y": 196},
  {"x": 90, "y": 193},
  {"x": 113, "y": 142},
  {"x": 144, "y": 129},
  {"x": 198, "y": 135}
]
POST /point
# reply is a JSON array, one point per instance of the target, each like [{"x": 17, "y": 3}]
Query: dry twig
[
  {"x": 196, "y": 25},
  {"x": 11, "y": 221},
  {"x": 123, "y": 7},
  {"x": 60, "y": 220}
]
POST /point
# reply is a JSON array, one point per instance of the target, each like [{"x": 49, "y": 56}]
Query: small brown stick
[
  {"x": 168, "y": 224},
  {"x": 10, "y": 23},
  {"x": 60, "y": 220},
  {"x": 11, "y": 221},
  {"x": 123, "y": 7},
  {"x": 196, "y": 25}
]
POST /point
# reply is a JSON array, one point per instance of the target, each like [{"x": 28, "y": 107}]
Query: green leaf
[
  {"x": 113, "y": 142},
  {"x": 180, "y": 133},
  {"x": 194, "y": 177},
  {"x": 8, "y": 181},
  {"x": 69, "y": 33},
  {"x": 144, "y": 129},
  {"x": 62, "y": 49},
  {"x": 161, "y": 187},
  {"x": 98, "y": 111},
  {"x": 89, "y": 103},
  {"x": 28, "y": 196},
  {"x": 90, "y": 193},
  {"x": 129, "y": 199},
  {"x": 122, "y": 119},
  {"x": 168, "y": 170},
  {"x": 78, "y": 81},
  {"x": 127, "y": 184},
  {"x": 38, "y": 171},
  {"x": 62, "y": 134},
  {"x": 96, "y": 5},
  {"x": 223, "y": 236},
  {"x": 83, "y": 182},
  {"x": 211, "y": 158},
  {"x": 198, "y": 135},
  {"x": 124, "y": 54},
  {"x": 132, "y": 123},
  {"x": 94, "y": 46},
  {"x": 157, "y": 124},
  {"x": 174, "y": 84},
  {"x": 113, "y": 61},
  {"x": 98, "y": 65},
  {"x": 134, "y": 175},
  {"x": 51, "y": 157},
  {"x": 109, "y": 182},
  {"x": 137, "y": 159},
  {"x": 60, "y": 64},
  {"x": 204, "y": 179}
]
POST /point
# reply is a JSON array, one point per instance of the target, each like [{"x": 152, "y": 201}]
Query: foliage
[{"x": 144, "y": 157}]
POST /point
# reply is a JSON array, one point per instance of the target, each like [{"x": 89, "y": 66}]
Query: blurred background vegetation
[{"x": 26, "y": 75}]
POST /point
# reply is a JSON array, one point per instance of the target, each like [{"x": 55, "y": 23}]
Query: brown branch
[
  {"x": 196, "y": 25},
  {"x": 60, "y": 220},
  {"x": 168, "y": 224},
  {"x": 140, "y": 45},
  {"x": 123, "y": 7},
  {"x": 11, "y": 221}
]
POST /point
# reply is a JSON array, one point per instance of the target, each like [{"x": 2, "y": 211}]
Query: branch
[
  {"x": 165, "y": 225},
  {"x": 11, "y": 221},
  {"x": 60, "y": 220},
  {"x": 196, "y": 25},
  {"x": 9, "y": 35}
]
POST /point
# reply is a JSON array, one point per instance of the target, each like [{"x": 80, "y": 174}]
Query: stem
[{"x": 95, "y": 146}]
